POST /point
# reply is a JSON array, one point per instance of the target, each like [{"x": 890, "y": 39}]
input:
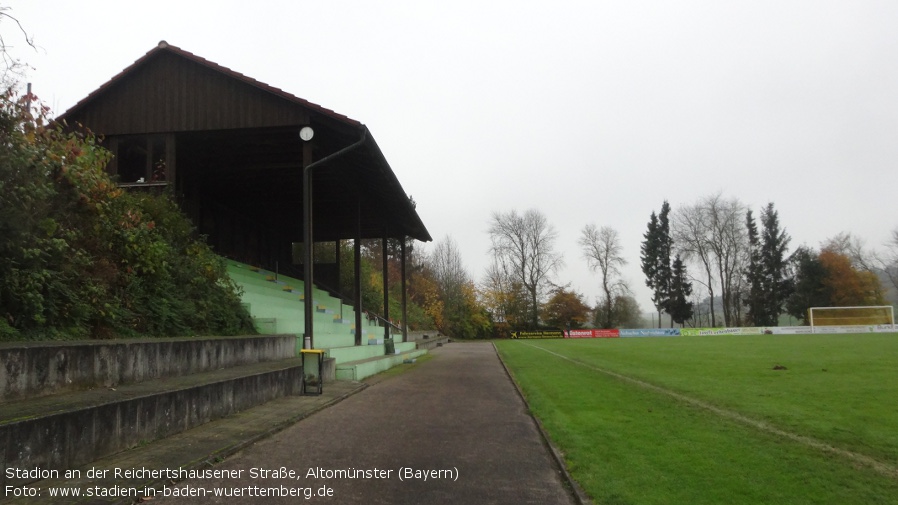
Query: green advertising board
[{"x": 538, "y": 334}]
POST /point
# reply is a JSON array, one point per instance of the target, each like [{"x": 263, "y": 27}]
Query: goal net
[{"x": 850, "y": 318}]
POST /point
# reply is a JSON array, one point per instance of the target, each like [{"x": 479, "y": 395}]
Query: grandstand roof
[{"x": 237, "y": 146}]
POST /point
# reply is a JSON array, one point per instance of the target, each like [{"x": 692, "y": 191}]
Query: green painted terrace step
[
  {"x": 361, "y": 369},
  {"x": 277, "y": 310},
  {"x": 362, "y": 352},
  {"x": 282, "y": 312}
]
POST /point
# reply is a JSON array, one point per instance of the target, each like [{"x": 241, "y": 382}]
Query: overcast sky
[{"x": 589, "y": 111}]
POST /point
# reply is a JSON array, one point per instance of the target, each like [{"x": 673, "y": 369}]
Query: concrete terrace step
[
  {"x": 32, "y": 369},
  {"x": 71, "y": 429},
  {"x": 431, "y": 341},
  {"x": 279, "y": 324},
  {"x": 195, "y": 449},
  {"x": 334, "y": 340},
  {"x": 265, "y": 278},
  {"x": 278, "y": 311},
  {"x": 364, "y": 368},
  {"x": 350, "y": 352}
]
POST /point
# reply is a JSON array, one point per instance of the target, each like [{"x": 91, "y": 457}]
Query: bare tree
[
  {"x": 449, "y": 274},
  {"x": 604, "y": 254},
  {"x": 448, "y": 268},
  {"x": 890, "y": 259},
  {"x": 692, "y": 236},
  {"x": 14, "y": 68},
  {"x": 729, "y": 243},
  {"x": 503, "y": 295},
  {"x": 461, "y": 313},
  {"x": 524, "y": 245},
  {"x": 712, "y": 234},
  {"x": 700, "y": 308},
  {"x": 495, "y": 282},
  {"x": 853, "y": 248}
]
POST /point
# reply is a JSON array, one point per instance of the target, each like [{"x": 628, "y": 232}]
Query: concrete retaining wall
[
  {"x": 73, "y": 437},
  {"x": 432, "y": 343},
  {"x": 29, "y": 369},
  {"x": 414, "y": 336},
  {"x": 429, "y": 339}
]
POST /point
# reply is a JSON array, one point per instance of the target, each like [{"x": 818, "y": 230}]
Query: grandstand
[{"x": 259, "y": 171}]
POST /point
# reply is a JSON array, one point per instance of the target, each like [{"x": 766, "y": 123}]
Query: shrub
[{"x": 80, "y": 258}]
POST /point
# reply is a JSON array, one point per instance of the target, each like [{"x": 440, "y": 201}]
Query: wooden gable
[{"x": 171, "y": 90}]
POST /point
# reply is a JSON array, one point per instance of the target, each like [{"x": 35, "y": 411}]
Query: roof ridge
[{"x": 165, "y": 46}]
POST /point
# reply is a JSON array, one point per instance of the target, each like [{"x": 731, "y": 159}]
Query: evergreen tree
[
  {"x": 777, "y": 285},
  {"x": 679, "y": 307},
  {"x": 665, "y": 246},
  {"x": 655, "y": 256},
  {"x": 754, "y": 273},
  {"x": 767, "y": 273},
  {"x": 649, "y": 257},
  {"x": 810, "y": 289}
]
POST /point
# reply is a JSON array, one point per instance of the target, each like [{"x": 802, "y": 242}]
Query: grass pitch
[{"x": 726, "y": 419}]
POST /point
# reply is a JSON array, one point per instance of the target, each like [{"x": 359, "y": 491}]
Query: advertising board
[{"x": 613, "y": 333}]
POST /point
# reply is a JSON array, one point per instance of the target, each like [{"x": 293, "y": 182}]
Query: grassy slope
[{"x": 625, "y": 444}]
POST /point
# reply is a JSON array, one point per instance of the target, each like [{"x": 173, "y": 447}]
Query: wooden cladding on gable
[{"x": 169, "y": 93}]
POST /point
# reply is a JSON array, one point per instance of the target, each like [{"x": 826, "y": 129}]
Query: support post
[
  {"x": 171, "y": 168},
  {"x": 404, "y": 323},
  {"x": 386, "y": 279},
  {"x": 357, "y": 270},
  {"x": 339, "y": 287},
  {"x": 307, "y": 258}
]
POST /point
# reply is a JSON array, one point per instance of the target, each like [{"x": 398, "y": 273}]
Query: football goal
[{"x": 836, "y": 318}]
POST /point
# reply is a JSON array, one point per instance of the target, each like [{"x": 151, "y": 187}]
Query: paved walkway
[{"x": 452, "y": 430}]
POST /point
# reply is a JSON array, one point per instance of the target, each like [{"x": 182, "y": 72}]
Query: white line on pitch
[{"x": 880, "y": 466}]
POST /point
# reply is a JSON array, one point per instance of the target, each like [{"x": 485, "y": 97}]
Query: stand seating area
[{"x": 277, "y": 305}]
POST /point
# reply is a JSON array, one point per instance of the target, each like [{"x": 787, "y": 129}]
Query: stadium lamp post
[{"x": 306, "y": 134}]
